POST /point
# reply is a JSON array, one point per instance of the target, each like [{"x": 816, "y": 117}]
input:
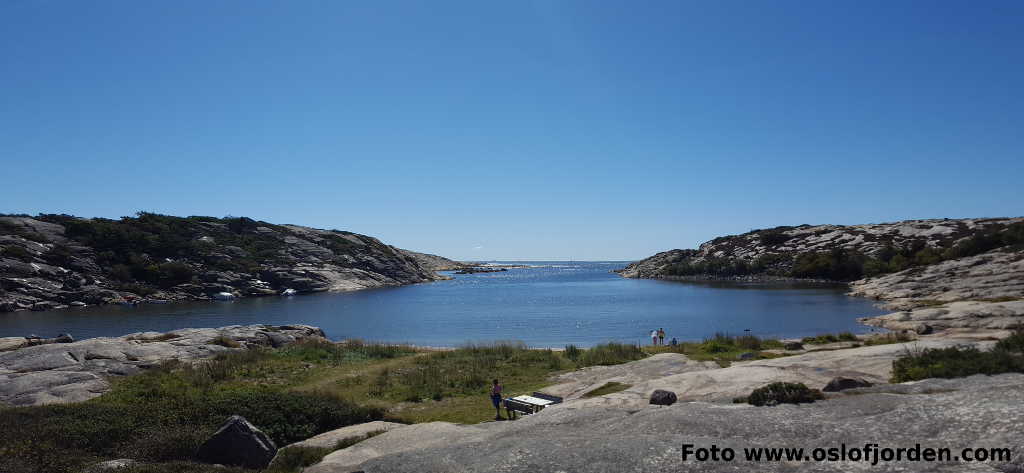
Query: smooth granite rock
[
  {"x": 330, "y": 439},
  {"x": 72, "y": 372},
  {"x": 979, "y": 411}
]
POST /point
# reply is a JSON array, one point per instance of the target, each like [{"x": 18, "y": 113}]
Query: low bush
[
  {"x": 324, "y": 351},
  {"x": 888, "y": 338},
  {"x": 831, "y": 338},
  {"x": 1007, "y": 356},
  {"x": 226, "y": 342},
  {"x": 610, "y": 354},
  {"x": 164, "y": 414},
  {"x": 782, "y": 393},
  {"x": 16, "y": 252},
  {"x": 723, "y": 342},
  {"x": 572, "y": 352}
]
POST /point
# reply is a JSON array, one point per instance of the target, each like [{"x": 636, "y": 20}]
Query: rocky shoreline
[
  {"x": 58, "y": 261},
  {"x": 937, "y": 291}
]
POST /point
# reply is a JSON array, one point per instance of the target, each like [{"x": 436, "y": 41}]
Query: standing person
[
  {"x": 661, "y": 336},
  {"x": 654, "y": 337},
  {"x": 496, "y": 399}
]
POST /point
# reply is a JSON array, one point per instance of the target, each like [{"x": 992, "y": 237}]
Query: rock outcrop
[
  {"x": 773, "y": 252},
  {"x": 979, "y": 411},
  {"x": 434, "y": 262},
  {"x": 984, "y": 291},
  {"x": 72, "y": 372},
  {"x": 939, "y": 274},
  {"x": 57, "y": 261},
  {"x": 331, "y": 438},
  {"x": 238, "y": 443}
]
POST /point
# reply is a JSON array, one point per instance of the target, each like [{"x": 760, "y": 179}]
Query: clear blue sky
[{"x": 498, "y": 130}]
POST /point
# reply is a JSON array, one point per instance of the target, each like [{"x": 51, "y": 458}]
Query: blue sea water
[{"x": 548, "y": 304}]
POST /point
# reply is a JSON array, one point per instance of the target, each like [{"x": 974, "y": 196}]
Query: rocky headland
[
  {"x": 938, "y": 274},
  {"x": 57, "y": 261}
]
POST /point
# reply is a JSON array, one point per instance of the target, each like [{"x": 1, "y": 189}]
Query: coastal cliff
[
  {"x": 939, "y": 274},
  {"x": 55, "y": 261}
]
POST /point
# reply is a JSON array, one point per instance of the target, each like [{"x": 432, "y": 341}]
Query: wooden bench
[{"x": 512, "y": 407}]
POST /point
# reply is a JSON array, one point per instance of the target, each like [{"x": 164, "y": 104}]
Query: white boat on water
[
  {"x": 289, "y": 292},
  {"x": 224, "y": 296}
]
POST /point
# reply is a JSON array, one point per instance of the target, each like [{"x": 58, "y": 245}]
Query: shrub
[
  {"x": 16, "y": 252},
  {"x": 783, "y": 393},
  {"x": 610, "y": 354},
  {"x": 572, "y": 352},
  {"x": 846, "y": 337},
  {"x": 838, "y": 265},
  {"x": 821, "y": 339},
  {"x": 318, "y": 350},
  {"x": 710, "y": 267},
  {"x": 887, "y": 338},
  {"x": 226, "y": 342},
  {"x": 954, "y": 362},
  {"x": 773, "y": 237}
]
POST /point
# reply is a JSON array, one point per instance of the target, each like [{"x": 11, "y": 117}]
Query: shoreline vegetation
[
  {"x": 160, "y": 416},
  {"x": 832, "y": 253},
  {"x": 53, "y": 261}
]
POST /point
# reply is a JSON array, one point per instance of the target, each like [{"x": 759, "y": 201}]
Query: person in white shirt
[{"x": 654, "y": 337}]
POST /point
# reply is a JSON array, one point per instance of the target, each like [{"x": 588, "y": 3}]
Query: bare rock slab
[{"x": 330, "y": 439}]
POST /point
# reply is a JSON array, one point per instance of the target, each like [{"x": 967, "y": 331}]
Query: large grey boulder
[{"x": 238, "y": 443}]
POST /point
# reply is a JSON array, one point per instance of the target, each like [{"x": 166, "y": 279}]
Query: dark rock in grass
[
  {"x": 238, "y": 443},
  {"x": 793, "y": 346},
  {"x": 661, "y": 397},
  {"x": 841, "y": 384},
  {"x": 747, "y": 356}
]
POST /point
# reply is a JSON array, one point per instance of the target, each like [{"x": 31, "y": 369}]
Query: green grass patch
[
  {"x": 294, "y": 459},
  {"x": 830, "y": 338},
  {"x": 610, "y": 354},
  {"x": 722, "y": 348},
  {"x": 608, "y": 388},
  {"x": 161, "y": 416},
  {"x": 888, "y": 338},
  {"x": 1007, "y": 356}
]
